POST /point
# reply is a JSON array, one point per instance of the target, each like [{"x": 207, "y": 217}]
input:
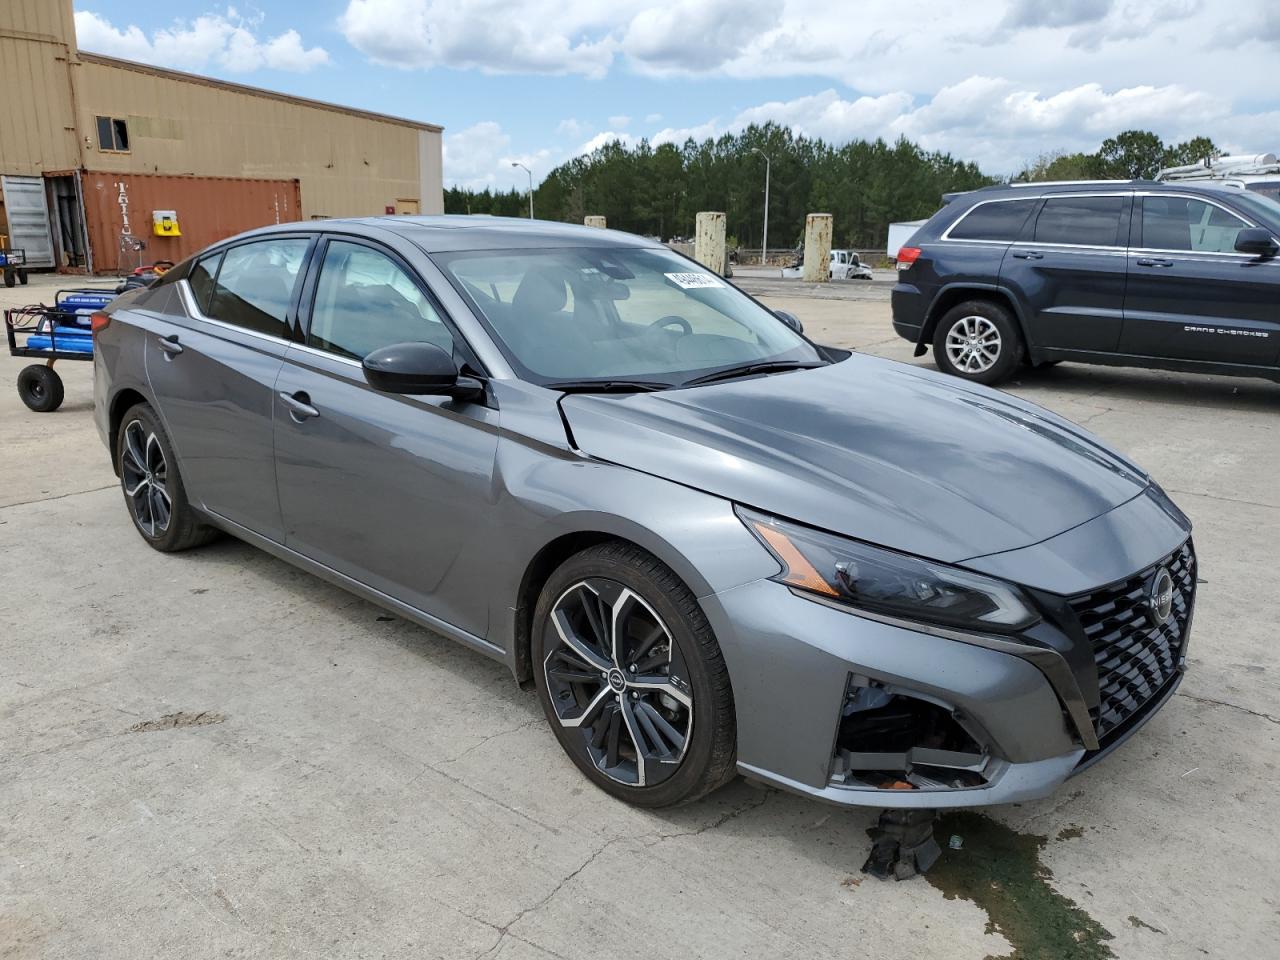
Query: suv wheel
[
  {"x": 977, "y": 340},
  {"x": 631, "y": 678}
]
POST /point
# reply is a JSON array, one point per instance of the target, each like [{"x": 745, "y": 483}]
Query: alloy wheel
[
  {"x": 973, "y": 344},
  {"x": 616, "y": 675},
  {"x": 145, "y": 476}
]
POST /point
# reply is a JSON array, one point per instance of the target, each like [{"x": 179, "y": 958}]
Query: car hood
[{"x": 885, "y": 452}]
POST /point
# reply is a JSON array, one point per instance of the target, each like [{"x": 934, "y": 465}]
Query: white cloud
[
  {"x": 653, "y": 118},
  {"x": 696, "y": 35},
  {"x": 225, "y": 40},
  {"x": 480, "y": 157},
  {"x": 606, "y": 137},
  {"x": 521, "y": 36},
  {"x": 619, "y": 121},
  {"x": 571, "y": 127}
]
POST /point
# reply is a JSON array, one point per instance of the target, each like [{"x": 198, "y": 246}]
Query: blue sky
[{"x": 538, "y": 81}]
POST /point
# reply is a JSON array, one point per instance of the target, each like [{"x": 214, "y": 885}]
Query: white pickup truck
[{"x": 845, "y": 265}]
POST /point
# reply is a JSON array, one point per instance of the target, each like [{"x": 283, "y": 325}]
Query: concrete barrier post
[
  {"x": 817, "y": 247},
  {"x": 594, "y": 221},
  {"x": 708, "y": 241}
]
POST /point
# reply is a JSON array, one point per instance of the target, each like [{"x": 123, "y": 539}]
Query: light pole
[
  {"x": 764, "y": 242},
  {"x": 530, "y": 172}
]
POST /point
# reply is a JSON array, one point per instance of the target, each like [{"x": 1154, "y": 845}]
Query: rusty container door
[{"x": 118, "y": 210}]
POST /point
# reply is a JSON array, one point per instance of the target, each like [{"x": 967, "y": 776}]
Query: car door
[
  {"x": 1069, "y": 268},
  {"x": 213, "y": 376},
  {"x": 384, "y": 488},
  {"x": 1191, "y": 296}
]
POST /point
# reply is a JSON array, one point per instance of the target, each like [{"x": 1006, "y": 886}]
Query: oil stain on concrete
[{"x": 999, "y": 870}]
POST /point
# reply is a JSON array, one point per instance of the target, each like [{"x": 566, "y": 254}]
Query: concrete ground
[{"x": 351, "y": 785}]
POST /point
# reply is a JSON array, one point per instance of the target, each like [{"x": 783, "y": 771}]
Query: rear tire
[
  {"x": 40, "y": 388},
  {"x": 650, "y": 719},
  {"x": 22, "y": 277},
  {"x": 978, "y": 340},
  {"x": 152, "y": 486},
  {"x": 10, "y": 280}
]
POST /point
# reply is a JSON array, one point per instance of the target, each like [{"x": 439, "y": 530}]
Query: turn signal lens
[{"x": 98, "y": 321}]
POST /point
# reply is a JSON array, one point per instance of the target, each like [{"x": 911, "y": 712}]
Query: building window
[{"x": 113, "y": 135}]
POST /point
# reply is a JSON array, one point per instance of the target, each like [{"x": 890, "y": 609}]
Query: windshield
[{"x": 612, "y": 313}]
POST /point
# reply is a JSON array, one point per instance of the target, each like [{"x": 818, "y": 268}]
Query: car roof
[{"x": 440, "y": 234}]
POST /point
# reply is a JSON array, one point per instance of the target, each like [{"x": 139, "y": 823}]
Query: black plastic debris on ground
[{"x": 903, "y": 844}]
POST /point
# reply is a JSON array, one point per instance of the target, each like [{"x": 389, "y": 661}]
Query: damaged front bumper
[{"x": 858, "y": 710}]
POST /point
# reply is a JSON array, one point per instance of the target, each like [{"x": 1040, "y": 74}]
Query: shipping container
[{"x": 119, "y": 208}]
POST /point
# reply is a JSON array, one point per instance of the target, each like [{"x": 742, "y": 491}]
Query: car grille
[{"x": 1136, "y": 659}]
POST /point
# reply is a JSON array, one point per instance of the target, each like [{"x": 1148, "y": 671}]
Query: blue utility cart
[
  {"x": 13, "y": 264},
  {"x": 61, "y": 332}
]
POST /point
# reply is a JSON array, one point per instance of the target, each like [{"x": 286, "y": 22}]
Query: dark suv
[{"x": 1130, "y": 273}]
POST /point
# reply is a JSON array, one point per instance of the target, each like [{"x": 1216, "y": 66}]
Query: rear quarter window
[{"x": 994, "y": 220}]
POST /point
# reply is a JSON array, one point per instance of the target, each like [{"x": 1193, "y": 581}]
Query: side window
[
  {"x": 365, "y": 300},
  {"x": 997, "y": 220},
  {"x": 201, "y": 279},
  {"x": 255, "y": 285},
  {"x": 1180, "y": 223},
  {"x": 1083, "y": 221}
]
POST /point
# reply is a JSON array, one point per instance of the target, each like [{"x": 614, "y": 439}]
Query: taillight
[
  {"x": 907, "y": 256},
  {"x": 98, "y": 321}
]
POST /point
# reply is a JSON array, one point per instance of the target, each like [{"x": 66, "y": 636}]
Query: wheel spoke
[
  {"x": 137, "y": 488},
  {"x": 571, "y": 640},
  {"x": 662, "y": 684},
  {"x": 133, "y": 446},
  {"x": 660, "y": 732},
  {"x": 155, "y": 456},
  {"x": 646, "y": 644},
  {"x": 589, "y": 712},
  {"x": 633, "y": 731}
]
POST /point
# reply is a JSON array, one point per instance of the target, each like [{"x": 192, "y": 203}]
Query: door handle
[
  {"x": 299, "y": 405},
  {"x": 1028, "y": 255},
  {"x": 1153, "y": 262},
  {"x": 170, "y": 345}
]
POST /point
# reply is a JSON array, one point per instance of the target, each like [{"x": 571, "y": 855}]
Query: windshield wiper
[
  {"x": 747, "y": 369},
  {"x": 607, "y": 386}
]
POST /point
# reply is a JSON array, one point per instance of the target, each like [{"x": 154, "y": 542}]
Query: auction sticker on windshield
[{"x": 693, "y": 281}]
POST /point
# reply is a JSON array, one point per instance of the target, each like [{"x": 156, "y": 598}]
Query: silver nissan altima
[{"x": 714, "y": 546}]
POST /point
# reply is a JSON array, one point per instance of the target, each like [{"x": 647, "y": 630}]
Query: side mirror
[
  {"x": 1256, "y": 241},
  {"x": 790, "y": 319},
  {"x": 418, "y": 369}
]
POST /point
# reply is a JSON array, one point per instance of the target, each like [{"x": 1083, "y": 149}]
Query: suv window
[
  {"x": 365, "y": 300},
  {"x": 1180, "y": 223},
  {"x": 255, "y": 285},
  {"x": 993, "y": 220},
  {"x": 1082, "y": 221}
]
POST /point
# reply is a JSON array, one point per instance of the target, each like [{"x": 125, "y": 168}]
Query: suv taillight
[
  {"x": 907, "y": 256},
  {"x": 98, "y": 321}
]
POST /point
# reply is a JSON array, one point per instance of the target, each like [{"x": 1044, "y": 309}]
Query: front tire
[
  {"x": 631, "y": 678},
  {"x": 152, "y": 486},
  {"x": 977, "y": 340}
]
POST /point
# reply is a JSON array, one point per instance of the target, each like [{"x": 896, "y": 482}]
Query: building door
[
  {"x": 406, "y": 208},
  {"x": 28, "y": 217}
]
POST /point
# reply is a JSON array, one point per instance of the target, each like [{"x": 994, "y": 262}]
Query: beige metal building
[{"x": 99, "y": 155}]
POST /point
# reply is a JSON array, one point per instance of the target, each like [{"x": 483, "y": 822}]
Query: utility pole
[
  {"x": 764, "y": 242},
  {"x": 530, "y": 172}
]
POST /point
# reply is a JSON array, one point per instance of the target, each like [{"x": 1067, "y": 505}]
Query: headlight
[{"x": 882, "y": 581}]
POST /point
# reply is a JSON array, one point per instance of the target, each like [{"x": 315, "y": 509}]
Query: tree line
[{"x": 864, "y": 184}]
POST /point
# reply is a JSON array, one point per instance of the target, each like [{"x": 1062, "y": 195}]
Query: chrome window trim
[
  {"x": 946, "y": 234},
  {"x": 189, "y": 303},
  {"x": 306, "y": 348},
  {"x": 1195, "y": 254}
]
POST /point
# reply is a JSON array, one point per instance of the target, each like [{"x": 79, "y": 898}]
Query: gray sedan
[{"x": 713, "y": 546}]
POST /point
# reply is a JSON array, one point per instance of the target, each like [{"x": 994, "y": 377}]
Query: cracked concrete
[{"x": 376, "y": 791}]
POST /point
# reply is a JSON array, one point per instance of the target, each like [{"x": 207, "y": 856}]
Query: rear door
[
  {"x": 1069, "y": 269},
  {"x": 1191, "y": 296},
  {"x": 384, "y": 488},
  {"x": 213, "y": 377}
]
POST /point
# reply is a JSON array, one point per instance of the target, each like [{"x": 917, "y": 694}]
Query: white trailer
[{"x": 900, "y": 235}]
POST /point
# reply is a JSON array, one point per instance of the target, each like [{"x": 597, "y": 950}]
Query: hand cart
[
  {"x": 13, "y": 263},
  {"x": 60, "y": 332}
]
